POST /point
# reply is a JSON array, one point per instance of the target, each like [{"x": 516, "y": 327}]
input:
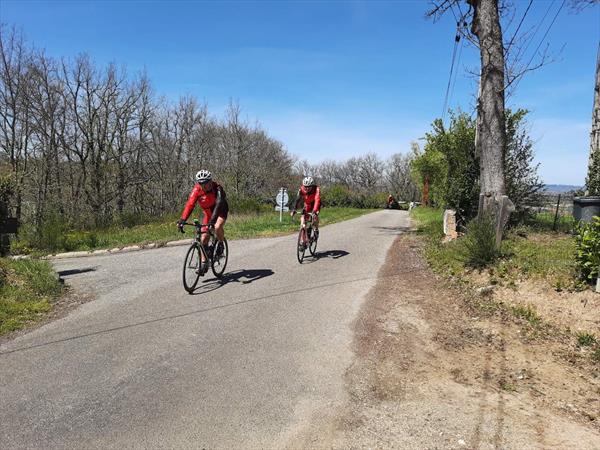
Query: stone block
[{"x": 450, "y": 224}]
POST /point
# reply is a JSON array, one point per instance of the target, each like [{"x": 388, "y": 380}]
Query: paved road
[{"x": 245, "y": 363}]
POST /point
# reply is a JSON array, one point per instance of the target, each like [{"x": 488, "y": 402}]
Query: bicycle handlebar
[{"x": 198, "y": 225}]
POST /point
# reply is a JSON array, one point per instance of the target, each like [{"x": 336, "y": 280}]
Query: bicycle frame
[
  {"x": 306, "y": 237},
  {"x": 207, "y": 253}
]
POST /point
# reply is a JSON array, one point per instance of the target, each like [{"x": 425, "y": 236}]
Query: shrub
[
  {"x": 248, "y": 205},
  {"x": 479, "y": 244},
  {"x": 592, "y": 182},
  {"x": 51, "y": 234},
  {"x": 336, "y": 195},
  {"x": 131, "y": 219},
  {"x": 588, "y": 249}
]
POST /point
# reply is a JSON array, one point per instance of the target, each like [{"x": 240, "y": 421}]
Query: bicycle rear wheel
[
  {"x": 301, "y": 247},
  {"x": 192, "y": 267},
  {"x": 219, "y": 263}
]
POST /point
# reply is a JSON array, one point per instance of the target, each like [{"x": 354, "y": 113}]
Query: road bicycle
[
  {"x": 214, "y": 255},
  {"x": 307, "y": 238}
]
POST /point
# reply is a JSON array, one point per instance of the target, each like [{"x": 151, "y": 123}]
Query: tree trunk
[
  {"x": 490, "y": 140},
  {"x": 593, "y": 178}
]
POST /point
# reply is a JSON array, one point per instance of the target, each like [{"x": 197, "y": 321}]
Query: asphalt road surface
[{"x": 242, "y": 363}]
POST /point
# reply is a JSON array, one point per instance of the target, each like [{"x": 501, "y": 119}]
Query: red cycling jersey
[
  {"x": 207, "y": 201},
  {"x": 312, "y": 201}
]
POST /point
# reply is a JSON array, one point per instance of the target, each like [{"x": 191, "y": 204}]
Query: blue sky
[{"x": 330, "y": 79}]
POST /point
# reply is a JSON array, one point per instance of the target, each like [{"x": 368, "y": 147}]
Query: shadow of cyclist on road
[
  {"x": 237, "y": 276},
  {"x": 334, "y": 254}
]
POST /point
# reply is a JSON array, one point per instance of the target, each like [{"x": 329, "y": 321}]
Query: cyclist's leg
[
  {"x": 220, "y": 222},
  {"x": 204, "y": 237},
  {"x": 219, "y": 228}
]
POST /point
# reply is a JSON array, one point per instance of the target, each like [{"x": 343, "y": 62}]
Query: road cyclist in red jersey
[
  {"x": 311, "y": 194},
  {"x": 211, "y": 197}
]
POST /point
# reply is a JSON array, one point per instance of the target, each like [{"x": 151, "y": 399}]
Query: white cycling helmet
[
  {"x": 308, "y": 181},
  {"x": 203, "y": 175}
]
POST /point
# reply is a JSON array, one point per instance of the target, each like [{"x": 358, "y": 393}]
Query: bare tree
[
  {"x": 15, "y": 126},
  {"x": 399, "y": 178}
]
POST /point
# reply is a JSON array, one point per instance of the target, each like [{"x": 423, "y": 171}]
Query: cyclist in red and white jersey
[
  {"x": 213, "y": 201},
  {"x": 311, "y": 194}
]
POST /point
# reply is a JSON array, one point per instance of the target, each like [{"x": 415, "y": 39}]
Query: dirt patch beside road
[{"x": 433, "y": 369}]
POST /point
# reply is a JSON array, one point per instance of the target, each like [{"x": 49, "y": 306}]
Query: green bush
[
  {"x": 247, "y": 205},
  {"x": 479, "y": 244},
  {"x": 78, "y": 240},
  {"x": 131, "y": 219},
  {"x": 336, "y": 195},
  {"x": 50, "y": 235},
  {"x": 588, "y": 249}
]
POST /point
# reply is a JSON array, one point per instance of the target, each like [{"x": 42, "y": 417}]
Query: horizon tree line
[{"x": 93, "y": 144}]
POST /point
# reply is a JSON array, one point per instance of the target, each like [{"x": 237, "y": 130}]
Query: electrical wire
[
  {"x": 519, "y": 26},
  {"x": 462, "y": 44},
  {"x": 541, "y": 40},
  {"x": 456, "y": 41}
]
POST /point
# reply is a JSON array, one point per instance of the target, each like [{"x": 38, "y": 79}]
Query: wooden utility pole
[{"x": 593, "y": 179}]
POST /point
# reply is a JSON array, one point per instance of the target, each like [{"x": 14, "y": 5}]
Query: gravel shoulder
[{"x": 431, "y": 370}]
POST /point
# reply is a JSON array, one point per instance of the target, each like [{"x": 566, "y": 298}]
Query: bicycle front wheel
[
  {"x": 301, "y": 247},
  {"x": 219, "y": 260},
  {"x": 192, "y": 267},
  {"x": 312, "y": 246}
]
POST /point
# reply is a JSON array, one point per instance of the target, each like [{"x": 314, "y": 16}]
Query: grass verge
[
  {"x": 27, "y": 291},
  {"x": 527, "y": 253},
  {"x": 238, "y": 226}
]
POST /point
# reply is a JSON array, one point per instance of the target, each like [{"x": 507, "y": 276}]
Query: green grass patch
[
  {"x": 544, "y": 221},
  {"x": 525, "y": 253},
  {"x": 526, "y": 312},
  {"x": 238, "y": 226},
  {"x": 27, "y": 290},
  {"x": 585, "y": 339}
]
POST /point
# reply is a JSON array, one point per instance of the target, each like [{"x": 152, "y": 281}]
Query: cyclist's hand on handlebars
[
  {"x": 211, "y": 226},
  {"x": 180, "y": 223}
]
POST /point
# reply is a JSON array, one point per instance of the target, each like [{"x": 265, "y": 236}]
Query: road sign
[
  {"x": 281, "y": 201},
  {"x": 282, "y": 197}
]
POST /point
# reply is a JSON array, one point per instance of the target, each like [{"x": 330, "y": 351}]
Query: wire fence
[{"x": 554, "y": 212}]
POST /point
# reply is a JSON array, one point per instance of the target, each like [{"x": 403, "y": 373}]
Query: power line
[
  {"x": 547, "y": 31},
  {"x": 519, "y": 26},
  {"x": 530, "y": 40},
  {"x": 456, "y": 41},
  {"x": 541, "y": 41},
  {"x": 462, "y": 44}
]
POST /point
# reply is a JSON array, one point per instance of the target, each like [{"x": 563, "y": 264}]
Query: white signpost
[{"x": 281, "y": 202}]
